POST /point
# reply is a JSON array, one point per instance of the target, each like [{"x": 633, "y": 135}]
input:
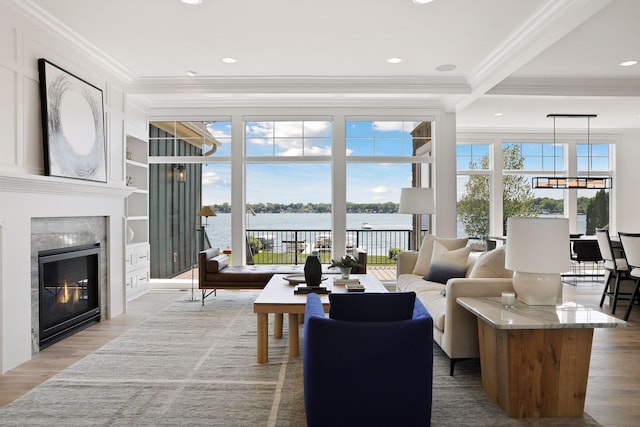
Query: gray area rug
[{"x": 191, "y": 365}]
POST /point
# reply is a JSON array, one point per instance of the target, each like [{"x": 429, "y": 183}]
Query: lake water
[{"x": 219, "y": 228}]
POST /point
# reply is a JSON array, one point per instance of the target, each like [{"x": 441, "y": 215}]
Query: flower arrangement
[{"x": 345, "y": 261}]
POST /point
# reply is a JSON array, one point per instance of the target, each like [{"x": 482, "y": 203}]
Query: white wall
[
  {"x": 24, "y": 191},
  {"x": 626, "y": 182}
]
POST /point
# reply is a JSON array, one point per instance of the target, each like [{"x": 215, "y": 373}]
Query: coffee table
[
  {"x": 535, "y": 358},
  {"x": 278, "y": 298}
]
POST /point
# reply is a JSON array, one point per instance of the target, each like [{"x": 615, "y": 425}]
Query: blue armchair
[{"x": 370, "y": 362}]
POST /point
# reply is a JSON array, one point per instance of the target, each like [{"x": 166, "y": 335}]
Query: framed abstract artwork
[{"x": 72, "y": 125}]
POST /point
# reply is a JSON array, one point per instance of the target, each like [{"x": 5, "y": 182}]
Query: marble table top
[{"x": 523, "y": 316}]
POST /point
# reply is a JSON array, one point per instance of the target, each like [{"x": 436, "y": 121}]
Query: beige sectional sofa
[{"x": 472, "y": 274}]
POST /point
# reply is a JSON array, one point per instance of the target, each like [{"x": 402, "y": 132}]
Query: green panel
[{"x": 172, "y": 209}]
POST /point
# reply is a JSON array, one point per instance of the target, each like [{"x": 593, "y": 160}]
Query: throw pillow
[
  {"x": 217, "y": 263},
  {"x": 372, "y": 307},
  {"x": 491, "y": 265},
  {"x": 446, "y": 264},
  {"x": 426, "y": 251}
]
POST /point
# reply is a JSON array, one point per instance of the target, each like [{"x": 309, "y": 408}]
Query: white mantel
[{"x": 27, "y": 197}]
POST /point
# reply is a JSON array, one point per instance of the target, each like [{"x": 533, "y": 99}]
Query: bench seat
[{"x": 215, "y": 272}]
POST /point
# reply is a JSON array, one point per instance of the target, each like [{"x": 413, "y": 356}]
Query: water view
[{"x": 219, "y": 227}]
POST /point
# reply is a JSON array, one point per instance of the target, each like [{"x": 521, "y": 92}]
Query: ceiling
[{"x": 523, "y": 59}]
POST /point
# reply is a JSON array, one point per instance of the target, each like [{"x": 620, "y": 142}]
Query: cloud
[
  {"x": 395, "y": 126},
  {"x": 213, "y": 179},
  {"x": 381, "y": 189}
]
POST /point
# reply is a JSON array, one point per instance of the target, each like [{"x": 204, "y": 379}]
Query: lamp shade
[
  {"x": 206, "y": 211},
  {"x": 538, "y": 245},
  {"x": 416, "y": 200}
]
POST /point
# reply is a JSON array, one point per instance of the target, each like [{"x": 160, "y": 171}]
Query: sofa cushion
[
  {"x": 426, "y": 251},
  {"x": 217, "y": 263},
  {"x": 411, "y": 282},
  {"x": 436, "y": 305},
  {"x": 372, "y": 307},
  {"x": 446, "y": 264},
  {"x": 491, "y": 265}
]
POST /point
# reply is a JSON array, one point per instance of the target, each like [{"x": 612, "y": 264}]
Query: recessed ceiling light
[
  {"x": 628, "y": 63},
  {"x": 394, "y": 60},
  {"x": 229, "y": 60},
  {"x": 498, "y": 114},
  {"x": 422, "y": 1},
  {"x": 446, "y": 67},
  {"x": 193, "y": 2},
  {"x": 192, "y": 73}
]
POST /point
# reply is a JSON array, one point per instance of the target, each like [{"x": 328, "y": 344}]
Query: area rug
[{"x": 191, "y": 365}]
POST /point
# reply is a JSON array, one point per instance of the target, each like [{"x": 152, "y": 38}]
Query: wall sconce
[{"x": 180, "y": 172}]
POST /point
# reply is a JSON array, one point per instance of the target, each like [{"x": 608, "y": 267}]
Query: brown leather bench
[{"x": 215, "y": 272}]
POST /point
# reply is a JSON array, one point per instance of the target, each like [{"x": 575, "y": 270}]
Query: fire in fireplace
[{"x": 69, "y": 298}]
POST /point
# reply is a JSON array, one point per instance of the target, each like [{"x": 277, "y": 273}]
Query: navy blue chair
[{"x": 370, "y": 363}]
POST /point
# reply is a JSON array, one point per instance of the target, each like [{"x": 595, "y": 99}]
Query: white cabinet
[
  {"x": 137, "y": 269},
  {"x": 137, "y": 217}
]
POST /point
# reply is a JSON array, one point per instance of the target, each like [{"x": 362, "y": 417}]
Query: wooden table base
[{"x": 536, "y": 372}]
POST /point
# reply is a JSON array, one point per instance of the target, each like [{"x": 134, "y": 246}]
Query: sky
[{"x": 310, "y": 182}]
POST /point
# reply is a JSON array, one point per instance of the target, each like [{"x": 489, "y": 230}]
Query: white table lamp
[
  {"x": 417, "y": 201},
  {"x": 537, "y": 252}
]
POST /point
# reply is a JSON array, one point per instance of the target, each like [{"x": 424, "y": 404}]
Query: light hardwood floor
[{"x": 613, "y": 395}]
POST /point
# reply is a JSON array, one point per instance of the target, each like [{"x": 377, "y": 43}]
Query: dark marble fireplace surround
[{"x": 62, "y": 232}]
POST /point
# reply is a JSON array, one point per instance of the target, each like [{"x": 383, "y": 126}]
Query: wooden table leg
[
  {"x": 294, "y": 342},
  {"x": 263, "y": 338},
  {"x": 277, "y": 325}
]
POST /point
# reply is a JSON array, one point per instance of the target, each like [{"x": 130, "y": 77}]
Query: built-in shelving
[{"x": 137, "y": 217}]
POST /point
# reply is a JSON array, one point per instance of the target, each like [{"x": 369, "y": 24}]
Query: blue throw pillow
[
  {"x": 372, "y": 307},
  {"x": 447, "y": 264}
]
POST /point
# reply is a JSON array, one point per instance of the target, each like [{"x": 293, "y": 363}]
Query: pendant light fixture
[{"x": 577, "y": 182}]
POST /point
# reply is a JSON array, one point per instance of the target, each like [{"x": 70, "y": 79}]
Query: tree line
[
  {"x": 258, "y": 208},
  {"x": 540, "y": 205}
]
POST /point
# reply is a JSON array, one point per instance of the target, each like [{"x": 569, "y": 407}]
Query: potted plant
[{"x": 345, "y": 264}]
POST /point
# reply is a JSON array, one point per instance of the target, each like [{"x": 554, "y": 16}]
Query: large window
[{"x": 520, "y": 162}]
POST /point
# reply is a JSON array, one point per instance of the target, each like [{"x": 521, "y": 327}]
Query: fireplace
[{"x": 69, "y": 294}]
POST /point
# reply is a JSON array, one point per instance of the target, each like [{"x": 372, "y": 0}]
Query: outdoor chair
[
  {"x": 631, "y": 246},
  {"x": 369, "y": 363},
  {"x": 616, "y": 270}
]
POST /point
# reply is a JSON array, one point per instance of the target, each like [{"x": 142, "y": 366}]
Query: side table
[{"x": 535, "y": 359}]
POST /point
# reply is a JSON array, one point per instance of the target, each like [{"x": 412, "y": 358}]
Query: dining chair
[
  {"x": 631, "y": 247},
  {"x": 585, "y": 252},
  {"x": 616, "y": 269}
]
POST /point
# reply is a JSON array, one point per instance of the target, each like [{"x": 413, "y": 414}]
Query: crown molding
[
  {"x": 567, "y": 87},
  {"x": 300, "y": 85},
  {"x": 56, "y": 27},
  {"x": 196, "y": 106}
]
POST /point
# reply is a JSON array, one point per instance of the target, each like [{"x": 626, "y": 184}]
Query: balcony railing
[{"x": 293, "y": 246}]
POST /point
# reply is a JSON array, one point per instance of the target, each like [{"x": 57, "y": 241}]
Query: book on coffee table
[{"x": 346, "y": 281}]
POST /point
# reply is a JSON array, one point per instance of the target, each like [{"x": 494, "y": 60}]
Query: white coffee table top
[{"x": 523, "y": 316}]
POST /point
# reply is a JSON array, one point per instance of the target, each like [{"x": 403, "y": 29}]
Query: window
[
  {"x": 387, "y": 138},
  {"x": 595, "y": 159},
  {"x": 473, "y": 194},
  {"x": 288, "y": 138},
  {"x": 533, "y": 156},
  {"x": 472, "y": 157},
  {"x": 202, "y": 138}
]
